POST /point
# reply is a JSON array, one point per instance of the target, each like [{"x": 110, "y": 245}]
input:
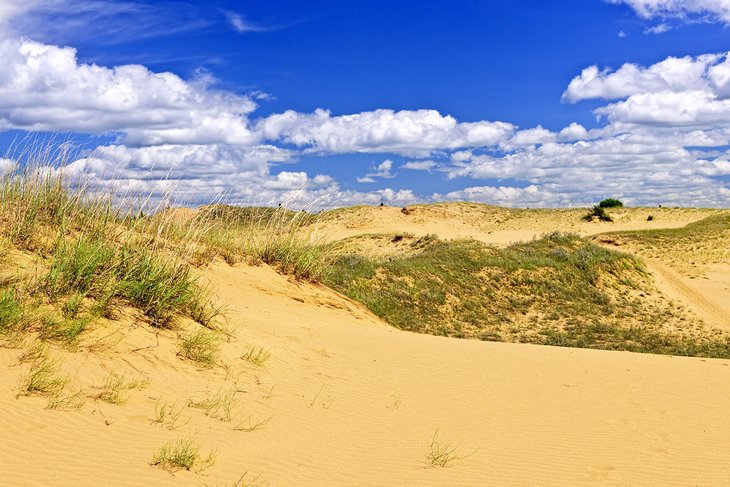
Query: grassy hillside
[
  {"x": 701, "y": 242},
  {"x": 558, "y": 290}
]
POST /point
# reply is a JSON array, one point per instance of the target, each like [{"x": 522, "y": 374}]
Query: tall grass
[
  {"x": 292, "y": 242},
  {"x": 93, "y": 249}
]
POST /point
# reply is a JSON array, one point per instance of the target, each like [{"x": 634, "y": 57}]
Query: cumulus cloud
[
  {"x": 527, "y": 137},
  {"x": 646, "y": 167},
  {"x": 710, "y": 10},
  {"x": 382, "y": 170},
  {"x": 689, "y": 92},
  {"x": 672, "y": 74},
  {"x": 45, "y": 88},
  {"x": 407, "y": 132}
]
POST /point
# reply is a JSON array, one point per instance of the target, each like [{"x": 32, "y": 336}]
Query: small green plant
[
  {"x": 598, "y": 212},
  {"x": 35, "y": 352},
  {"x": 248, "y": 425},
  {"x": 254, "y": 481},
  {"x": 443, "y": 455},
  {"x": 114, "y": 389},
  {"x": 42, "y": 379},
  {"x": 184, "y": 454},
  {"x": 72, "y": 306},
  {"x": 610, "y": 203},
  {"x": 75, "y": 400},
  {"x": 256, "y": 355},
  {"x": 217, "y": 406},
  {"x": 63, "y": 330},
  {"x": 167, "y": 415},
  {"x": 201, "y": 347}
]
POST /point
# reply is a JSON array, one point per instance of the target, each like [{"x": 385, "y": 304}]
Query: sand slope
[{"x": 352, "y": 401}]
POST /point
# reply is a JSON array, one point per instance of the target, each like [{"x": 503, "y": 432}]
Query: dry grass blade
[{"x": 443, "y": 455}]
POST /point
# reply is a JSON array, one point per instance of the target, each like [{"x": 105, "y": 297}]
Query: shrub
[
  {"x": 598, "y": 212},
  {"x": 611, "y": 203}
]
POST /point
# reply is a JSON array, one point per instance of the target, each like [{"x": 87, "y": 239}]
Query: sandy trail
[
  {"x": 352, "y": 402},
  {"x": 708, "y": 298}
]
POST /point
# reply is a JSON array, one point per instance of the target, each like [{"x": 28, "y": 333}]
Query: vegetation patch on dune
[
  {"x": 88, "y": 258},
  {"x": 700, "y": 242},
  {"x": 557, "y": 290}
]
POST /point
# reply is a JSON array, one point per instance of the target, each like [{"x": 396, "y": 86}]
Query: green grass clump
[
  {"x": 557, "y": 290},
  {"x": 11, "y": 311},
  {"x": 201, "y": 347},
  {"x": 42, "y": 378},
  {"x": 64, "y": 330},
  {"x": 184, "y": 454}
]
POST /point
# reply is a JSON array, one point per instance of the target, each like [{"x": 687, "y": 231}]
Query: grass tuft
[
  {"x": 443, "y": 455},
  {"x": 201, "y": 347},
  {"x": 184, "y": 454},
  {"x": 114, "y": 389},
  {"x": 42, "y": 379},
  {"x": 217, "y": 406},
  {"x": 256, "y": 355}
]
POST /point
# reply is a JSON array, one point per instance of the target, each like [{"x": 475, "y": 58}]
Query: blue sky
[{"x": 324, "y": 103}]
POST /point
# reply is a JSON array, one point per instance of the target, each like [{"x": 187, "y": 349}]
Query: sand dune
[
  {"x": 497, "y": 225},
  {"x": 346, "y": 400},
  {"x": 354, "y": 402}
]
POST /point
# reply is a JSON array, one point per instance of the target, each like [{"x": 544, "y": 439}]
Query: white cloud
[
  {"x": 692, "y": 92},
  {"x": 381, "y": 171},
  {"x": 427, "y": 165},
  {"x": 45, "y": 88},
  {"x": 510, "y": 196},
  {"x": 658, "y": 29},
  {"x": 408, "y": 132},
  {"x": 621, "y": 34},
  {"x": 672, "y": 74},
  {"x": 239, "y": 23},
  {"x": 573, "y": 132},
  {"x": 534, "y": 136},
  {"x": 711, "y": 10}
]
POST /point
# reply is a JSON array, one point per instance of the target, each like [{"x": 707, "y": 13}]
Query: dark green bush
[{"x": 610, "y": 203}]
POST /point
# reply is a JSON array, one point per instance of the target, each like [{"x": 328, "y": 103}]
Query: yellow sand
[{"x": 351, "y": 401}]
